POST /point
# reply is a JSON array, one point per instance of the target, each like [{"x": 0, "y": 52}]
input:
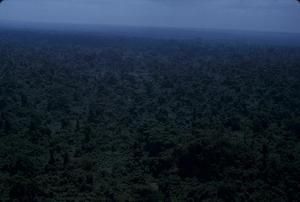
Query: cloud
[{"x": 273, "y": 15}]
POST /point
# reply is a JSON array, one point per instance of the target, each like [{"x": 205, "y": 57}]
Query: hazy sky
[{"x": 270, "y": 15}]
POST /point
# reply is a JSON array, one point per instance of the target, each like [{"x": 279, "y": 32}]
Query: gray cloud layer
[{"x": 271, "y": 15}]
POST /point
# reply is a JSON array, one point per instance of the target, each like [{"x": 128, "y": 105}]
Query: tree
[
  {"x": 66, "y": 158},
  {"x": 23, "y": 189},
  {"x": 7, "y": 126}
]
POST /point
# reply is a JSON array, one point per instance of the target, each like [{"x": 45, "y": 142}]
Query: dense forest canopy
[
  {"x": 87, "y": 118},
  {"x": 108, "y": 101}
]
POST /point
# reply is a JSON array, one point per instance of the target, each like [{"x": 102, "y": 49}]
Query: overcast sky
[{"x": 263, "y": 15}]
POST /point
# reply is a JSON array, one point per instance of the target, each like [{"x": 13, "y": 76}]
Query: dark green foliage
[
  {"x": 123, "y": 119},
  {"x": 24, "y": 190}
]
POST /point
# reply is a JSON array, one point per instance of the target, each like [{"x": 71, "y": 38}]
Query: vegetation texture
[{"x": 104, "y": 118}]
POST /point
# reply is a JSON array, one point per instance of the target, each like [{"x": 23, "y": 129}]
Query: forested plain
[{"x": 102, "y": 118}]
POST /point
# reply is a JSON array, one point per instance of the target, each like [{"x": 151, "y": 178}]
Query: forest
[{"x": 112, "y": 118}]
